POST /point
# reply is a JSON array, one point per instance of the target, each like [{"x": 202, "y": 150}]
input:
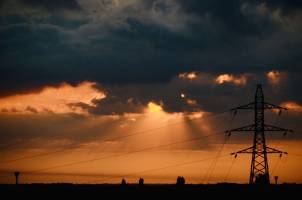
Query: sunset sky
[{"x": 93, "y": 91}]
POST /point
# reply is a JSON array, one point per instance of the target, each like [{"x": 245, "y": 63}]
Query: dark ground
[{"x": 134, "y": 191}]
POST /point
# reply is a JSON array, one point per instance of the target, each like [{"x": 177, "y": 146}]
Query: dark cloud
[
  {"x": 147, "y": 42},
  {"x": 53, "y": 4},
  {"x": 200, "y": 94},
  {"x": 117, "y": 105},
  {"x": 231, "y": 8},
  {"x": 287, "y": 7},
  {"x": 111, "y": 105}
]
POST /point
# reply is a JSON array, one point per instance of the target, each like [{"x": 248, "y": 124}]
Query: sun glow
[
  {"x": 195, "y": 115},
  {"x": 154, "y": 108}
]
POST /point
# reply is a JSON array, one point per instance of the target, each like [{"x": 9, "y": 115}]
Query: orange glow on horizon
[{"x": 176, "y": 130}]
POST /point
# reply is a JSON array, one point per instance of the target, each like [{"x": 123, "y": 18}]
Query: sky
[{"x": 93, "y": 91}]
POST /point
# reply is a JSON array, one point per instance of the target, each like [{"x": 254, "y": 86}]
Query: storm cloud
[
  {"x": 118, "y": 42},
  {"x": 51, "y": 5},
  {"x": 136, "y": 51}
]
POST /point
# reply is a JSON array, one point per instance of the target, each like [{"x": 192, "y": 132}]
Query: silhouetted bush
[
  {"x": 123, "y": 183},
  {"x": 180, "y": 181},
  {"x": 141, "y": 182}
]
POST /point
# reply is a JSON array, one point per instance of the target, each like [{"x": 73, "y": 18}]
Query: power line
[
  {"x": 167, "y": 167},
  {"x": 4, "y": 146},
  {"x": 296, "y": 154},
  {"x": 277, "y": 164},
  {"x": 33, "y": 156},
  {"x": 123, "y": 154},
  {"x": 157, "y": 128},
  {"x": 113, "y": 138},
  {"x": 213, "y": 164},
  {"x": 229, "y": 170}
]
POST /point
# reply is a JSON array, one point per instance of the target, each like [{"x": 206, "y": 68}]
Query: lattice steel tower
[{"x": 259, "y": 163}]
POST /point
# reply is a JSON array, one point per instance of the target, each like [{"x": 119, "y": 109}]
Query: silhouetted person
[
  {"x": 141, "y": 182},
  {"x": 17, "y": 177},
  {"x": 180, "y": 181}
]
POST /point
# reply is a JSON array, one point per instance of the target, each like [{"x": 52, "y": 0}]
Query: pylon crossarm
[
  {"x": 272, "y": 150},
  {"x": 268, "y": 127},
  {"x": 250, "y": 127},
  {"x": 247, "y": 150},
  {"x": 272, "y": 106},
  {"x": 248, "y": 106}
]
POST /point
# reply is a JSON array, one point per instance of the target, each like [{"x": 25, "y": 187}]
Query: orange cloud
[
  {"x": 274, "y": 77},
  {"x": 292, "y": 106},
  {"x": 191, "y": 102},
  {"x": 188, "y": 75},
  {"x": 52, "y": 100},
  {"x": 229, "y": 78}
]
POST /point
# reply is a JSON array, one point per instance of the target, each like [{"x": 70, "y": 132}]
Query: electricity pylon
[{"x": 259, "y": 163}]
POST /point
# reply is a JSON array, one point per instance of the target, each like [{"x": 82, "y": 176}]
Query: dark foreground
[{"x": 109, "y": 191}]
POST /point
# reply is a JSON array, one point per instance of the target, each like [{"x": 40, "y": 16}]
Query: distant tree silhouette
[
  {"x": 123, "y": 183},
  {"x": 141, "y": 182},
  {"x": 180, "y": 181}
]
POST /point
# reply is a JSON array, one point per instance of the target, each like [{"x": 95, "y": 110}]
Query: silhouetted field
[{"x": 104, "y": 191}]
